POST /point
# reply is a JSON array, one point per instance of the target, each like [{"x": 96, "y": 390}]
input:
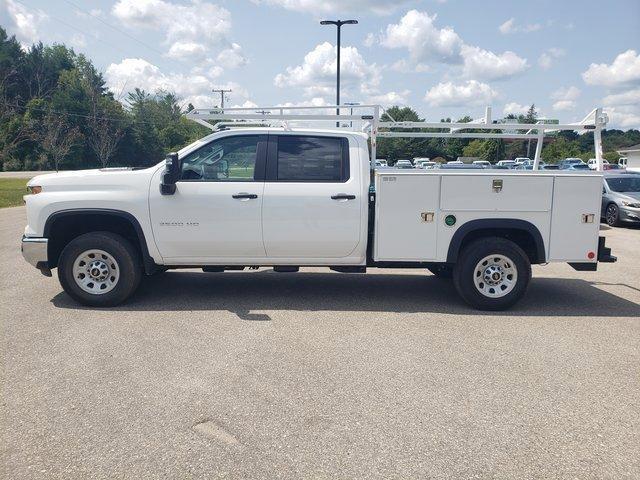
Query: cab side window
[
  {"x": 302, "y": 158},
  {"x": 228, "y": 159}
]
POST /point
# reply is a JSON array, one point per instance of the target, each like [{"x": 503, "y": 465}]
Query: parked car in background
[
  {"x": 567, "y": 162},
  {"x": 578, "y": 166},
  {"x": 429, "y": 165},
  {"x": 550, "y": 166},
  {"x": 621, "y": 198},
  {"x": 461, "y": 166},
  {"x": 454, "y": 162},
  {"x": 403, "y": 164},
  {"x": 506, "y": 163},
  {"x": 521, "y": 160},
  {"x": 592, "y": 163},
  {"x": 482, "y": 163},
  {"x": 383, "y": 162},
  {"x": 529, "y": 163},
  {"x": 612, "y": 166}
]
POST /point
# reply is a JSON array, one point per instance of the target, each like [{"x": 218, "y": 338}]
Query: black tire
[
  {"x": 441, "y": 270},
  {"x": 465, "y": 273},
  {"x": 612, "y": 215},
  {"x": 125, "y": 255}
]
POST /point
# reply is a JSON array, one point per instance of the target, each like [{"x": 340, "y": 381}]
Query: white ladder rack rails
[
  {"x": 483, "y": 128},
  {"x": 595, "y": 121}
]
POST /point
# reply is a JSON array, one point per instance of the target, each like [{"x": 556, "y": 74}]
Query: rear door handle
[
  {"x": 241, "y": 196},
  {"x": 343, "y": 196}
]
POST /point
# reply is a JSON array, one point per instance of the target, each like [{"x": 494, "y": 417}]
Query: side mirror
[{"x": 172, "y": 172}]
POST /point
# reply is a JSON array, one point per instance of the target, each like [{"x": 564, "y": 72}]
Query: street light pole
[{"x": 338, "y": 24}]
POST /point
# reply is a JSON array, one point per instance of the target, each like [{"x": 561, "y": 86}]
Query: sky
[{"x": 444, "y": 58}]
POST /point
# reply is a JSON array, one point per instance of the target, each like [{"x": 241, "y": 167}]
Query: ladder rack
[{"x": 368, "y": 118}]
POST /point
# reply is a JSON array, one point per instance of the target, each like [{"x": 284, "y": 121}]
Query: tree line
[{"x": 57, "y": 113}]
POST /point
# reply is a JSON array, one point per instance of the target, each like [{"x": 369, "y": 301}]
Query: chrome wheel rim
[
  {"x": 495, "y": 276},
  {"x": 612, "y": 214},
  {"x": 96, "y": 272}
]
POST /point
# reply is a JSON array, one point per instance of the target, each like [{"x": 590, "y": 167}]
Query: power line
[
  {"x": 64, "y": 22},
  {"x": 123, "y": 32}
]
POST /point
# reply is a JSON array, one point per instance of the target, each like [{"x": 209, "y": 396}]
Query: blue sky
[{"x": 442, "y": 57}]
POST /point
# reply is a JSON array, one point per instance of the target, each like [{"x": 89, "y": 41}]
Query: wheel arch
[
  {"x": 525, "y": 234},
  {"x": 63, "y": 226}
]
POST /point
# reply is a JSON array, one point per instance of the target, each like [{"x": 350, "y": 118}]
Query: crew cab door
[
  {"x": 312, "y": 198},
  {"x": 215, "y": 213}
]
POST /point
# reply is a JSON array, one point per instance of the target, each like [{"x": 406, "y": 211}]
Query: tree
[
  {"x": 105, "y": 128},
  {"x": 57, "y": 140}
]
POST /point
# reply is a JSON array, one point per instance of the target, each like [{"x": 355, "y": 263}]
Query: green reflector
[{"x": 450, "y": 220}]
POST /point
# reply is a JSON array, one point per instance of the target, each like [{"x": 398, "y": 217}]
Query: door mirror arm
[{"x": 172, "y": 172}]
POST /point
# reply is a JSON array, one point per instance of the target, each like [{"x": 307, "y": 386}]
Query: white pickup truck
[{"x": 287, "y": 198}]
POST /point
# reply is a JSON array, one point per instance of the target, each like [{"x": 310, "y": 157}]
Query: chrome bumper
[{"x": 34, "y": 251}]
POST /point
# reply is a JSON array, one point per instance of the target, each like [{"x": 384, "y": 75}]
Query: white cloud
[
  {"x": 232, "y": 57},
  {"x": 193, "y": 87},
  {"x": 25, "y": 22},
  {"x": 378, "y": 7},
  {"x": 510, "y": 26},
  {"x": 625, "y": 69},
  {"x": 631, "y": 97},
  {"x": 624, "y": 108},
  {"x": 471, "y": 93},
  {"x": 192, "y": 31},
  {"x": 369, "y": 40},
  {"x": 417, "y": 33},
  {"x": 317, "y": 73},
  {"x": 480, "y": 63},
  {"x": 390, "y": 98},
  {"x": 565, "y": 98},
  {"x": 78, "y": 41},
  {"x": 548, "y": 57},
  {"x": 515, "y": 109},
  {"x": 183, "y": 50},
  {"x": 563, "y": 105},
  {"x": 624, "y": 116},
  {"x": 570, "y": 93}
]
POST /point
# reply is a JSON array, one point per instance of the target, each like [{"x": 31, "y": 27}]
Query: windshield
[{"x": 624, "y": 184}]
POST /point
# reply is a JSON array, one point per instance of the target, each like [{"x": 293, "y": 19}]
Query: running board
[{"x": 349, "y": 269}]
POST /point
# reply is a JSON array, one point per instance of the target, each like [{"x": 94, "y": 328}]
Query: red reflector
[{"x": 591, "y": 255}]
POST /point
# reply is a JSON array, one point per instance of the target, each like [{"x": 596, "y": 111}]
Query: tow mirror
[{"x": 172, "y": 172}]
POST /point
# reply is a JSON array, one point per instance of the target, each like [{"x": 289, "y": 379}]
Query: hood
[
  {"x": 90, "y": 179},
  {"x": 629, "y": 195}
]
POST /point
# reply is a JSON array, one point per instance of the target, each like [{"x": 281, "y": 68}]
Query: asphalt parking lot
[{"x": 321, "y": 375}]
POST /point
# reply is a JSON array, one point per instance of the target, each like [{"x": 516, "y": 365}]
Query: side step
[
  {"x": 286, "y": 269},
  {"x": 349, "y": 269},
  {"x": 218, "y": 269}
]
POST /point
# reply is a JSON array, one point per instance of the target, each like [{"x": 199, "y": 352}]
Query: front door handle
[
  {"x": 343, "y": 196},
  {"x": 243, "y": 195}
]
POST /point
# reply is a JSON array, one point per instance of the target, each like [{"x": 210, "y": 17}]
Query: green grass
[{"x": 11, "y": 191}]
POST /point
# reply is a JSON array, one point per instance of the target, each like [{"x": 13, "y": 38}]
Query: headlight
[
  {"x": 34, "y": 189},
  {"x": 630, "y": 204}
]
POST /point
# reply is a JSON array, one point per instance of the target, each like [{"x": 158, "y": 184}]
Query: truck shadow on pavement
[{"x": 244, "y": 293}]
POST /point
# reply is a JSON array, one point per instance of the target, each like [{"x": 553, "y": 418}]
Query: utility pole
[
  {"x": 221, "y": 91},
  {"x": 338, "y": 23}
]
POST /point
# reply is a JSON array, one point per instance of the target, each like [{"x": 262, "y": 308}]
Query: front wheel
[
  {"x": 492, "y": 273},
  {"x": 99, "y": 269}
]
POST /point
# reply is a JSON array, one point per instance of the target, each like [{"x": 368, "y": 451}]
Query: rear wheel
[
  {"x": 612, "y": 215},
  {"x": 492, "y": 273},
  {"x": 99, "y": 269}
]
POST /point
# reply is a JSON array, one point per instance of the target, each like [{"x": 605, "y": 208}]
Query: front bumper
[
  {"x": 629, "y": 215},
  {"x": 34, "y": 251}
]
